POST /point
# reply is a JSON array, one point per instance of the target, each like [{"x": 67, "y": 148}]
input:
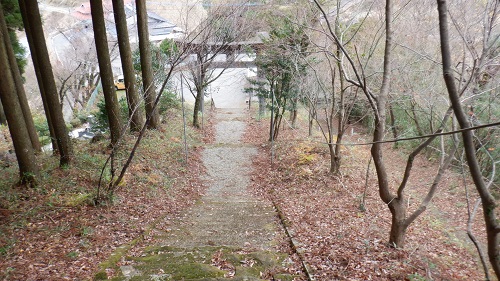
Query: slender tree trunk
[
  {"x": 415, "y": 119},
  {"x": 17, "y": 126},
  {"x": 293, "y": 112},
  {"x": 34, "y": 57},
  {"x": 394, "y": 129},
  {"x": 488, "y": 201},
  {"x": 293, "y": 118},
  {"x": 108, "y": 87},
  {"x": 152, "y": 114},
  {"x": 197, "y": 109},
  {"x": 133, "y": 101},
  {"x": 3, "y": 119},
  {"x": 395, "y": 204},
  {"x": 50, "y": 89},
  {"x": 23, "y": 101},
  {"x": 199, "y": 80},
  {"x": 334, "y": 159},
  {"x": 337, "y": 157},
  {"x": 272, "y": 127},
  {"x": 310, "y": 119},
  {"x": 277, "y": 121},
  {"x": 334, "y": 168}
]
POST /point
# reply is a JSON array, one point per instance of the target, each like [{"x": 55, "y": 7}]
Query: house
[{"x": 159, "y": 27}]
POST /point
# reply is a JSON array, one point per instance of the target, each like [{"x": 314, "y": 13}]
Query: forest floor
[
  {"x": 340, "y": 221},
  {"x": 340, "y": 224},
  {"x": 54, "y": 232}
]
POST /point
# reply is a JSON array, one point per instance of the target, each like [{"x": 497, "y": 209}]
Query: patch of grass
[
  {"x": 73, "y": 200},
  {"x": 6, "y": 243},
  {"x": 73, "y": 255},
  {"x": 101, "y": 275},
  {"x": 91, "y": 160},
  {"x": 86, "y": 231},
  {"x": 416, "y": 277},
  {"x": 436, "y": 223}
]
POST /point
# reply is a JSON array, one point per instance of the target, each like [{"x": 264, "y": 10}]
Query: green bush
[
  {"x": 168, "y": 100},
  {"x": 42, "y": 128},
  {"x": 361, "y": 113},
  {"x": 101, "y": 116},
  {"x": 75, "y": 122}
]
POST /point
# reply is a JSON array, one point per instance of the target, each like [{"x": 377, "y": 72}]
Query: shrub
[
  {"x": 101, "y": 116},
  {"x": 168, "y": 100},
  {"x": 42, "y": 128}
]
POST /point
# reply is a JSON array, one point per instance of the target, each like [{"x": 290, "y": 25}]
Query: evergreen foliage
[
  {"x": 15, "y": 23},
  {"x": 282, "y": 64}
]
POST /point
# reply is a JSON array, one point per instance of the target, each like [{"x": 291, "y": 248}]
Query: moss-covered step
[{"x": 202, "y": 263}]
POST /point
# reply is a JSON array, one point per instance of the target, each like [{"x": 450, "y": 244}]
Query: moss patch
[
  {"x": 179, "y": 271},
  {"x": 206, "y": 263}
]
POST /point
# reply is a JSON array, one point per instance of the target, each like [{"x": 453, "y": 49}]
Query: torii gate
[{"x": 231, "y": 50}]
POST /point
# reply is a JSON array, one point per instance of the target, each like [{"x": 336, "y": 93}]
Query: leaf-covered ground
[
  {"x": 343, "y": 240},
  {"x": 51, "y": 232}
]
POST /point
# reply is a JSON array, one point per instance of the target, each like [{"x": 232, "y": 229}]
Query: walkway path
[{"x": 229, "y": 233}]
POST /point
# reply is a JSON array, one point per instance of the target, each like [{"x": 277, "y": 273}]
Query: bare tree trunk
[
  {"x": 199, "y": 80},
  {"x": 333, "y": 148},
  {"x": 277, "y": 121},
  {"x": 398, "y": 223},
  {"x": 273, "y": 112},
  {"x": 43, "y": 61},
  {"x": 108, "y": 87},
  {"x": 489, "y": 204},
  {"x": 197, "y": 109},
  {"x": 395, "y": 204},
  {"x": 293, "y": 112},
  {"x": 17, "y": 126},
  {"x": 415, "y": 118},
  {"x": 334, "y": 167},
  {"x": 293, "y": 117},
  {"x": 23, "y": 101},
  {"x": 152, "y": 114},
  {"x": 133, "y": 101},
  {"x": 394, "y": 129},
  {"x": 337, "y": 157},
  {"x": 310, "y": 121},
  {"x": 3, "y": 119},
  {"x": 38, "y": 75}
]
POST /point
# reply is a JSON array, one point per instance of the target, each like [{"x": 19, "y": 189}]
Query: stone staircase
[{"x": 229, "y": 234}]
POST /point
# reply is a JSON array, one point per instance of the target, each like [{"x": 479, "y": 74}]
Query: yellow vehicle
[{"x": 120, "y": 84}]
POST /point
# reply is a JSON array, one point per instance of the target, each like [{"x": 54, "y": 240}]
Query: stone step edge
[{"x": 296, "y": 245}]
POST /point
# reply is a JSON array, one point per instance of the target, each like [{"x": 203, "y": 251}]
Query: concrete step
[{"x": 204, "y": 263}]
